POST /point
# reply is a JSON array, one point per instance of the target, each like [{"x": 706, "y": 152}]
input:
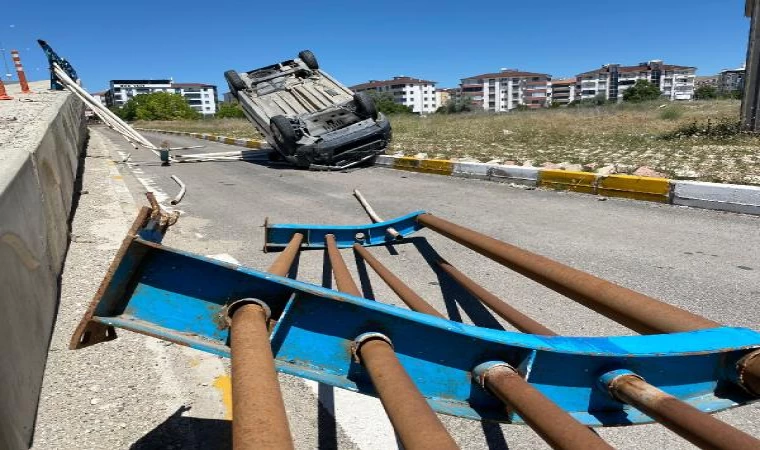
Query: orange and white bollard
[
  {"x": 3, "y": 94},
  {"x": 20, "y": 71}
]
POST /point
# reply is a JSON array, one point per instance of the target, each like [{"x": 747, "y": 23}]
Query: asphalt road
[{"x": 704, "y": 261}]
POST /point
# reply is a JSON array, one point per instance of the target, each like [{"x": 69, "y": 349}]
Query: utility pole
[{"x": 751, "y": 100}]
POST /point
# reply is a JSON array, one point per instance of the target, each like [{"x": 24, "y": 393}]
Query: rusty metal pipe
[
  {"x": 281, "y": 266},
  {"x": 697, "y": 427},
  {"x": 416, "y": 425},
  {"x": 499, "y": 306},
  {"x": 259, "y": 419},
  {"x": 748, "y": 370},
  {"x": 629, "y": 308},
  {"x": 405, "y": 293},
  {"x": 343, "y": 279},
  {"x": 558, "y": 428}
]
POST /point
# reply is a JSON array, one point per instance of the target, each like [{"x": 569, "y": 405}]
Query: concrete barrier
[
  {"x": 567, "y": 180},
  {"x": 37, "y": 174},
  {"x": 638, "y": 188},
  {"x": 722, "y": 197}
]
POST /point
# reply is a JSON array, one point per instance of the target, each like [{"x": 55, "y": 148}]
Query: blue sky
[{"x": 194, "y": 41}]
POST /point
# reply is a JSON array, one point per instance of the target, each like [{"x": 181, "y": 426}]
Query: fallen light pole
[{"x": 373, "y": 215}]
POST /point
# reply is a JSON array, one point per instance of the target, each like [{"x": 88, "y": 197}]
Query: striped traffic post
[{"x": 20, "y": 71}]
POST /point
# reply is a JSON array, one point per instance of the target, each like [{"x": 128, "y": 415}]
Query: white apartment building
[
  {"x": 506, "y": 90},
  {"x": 418, "y": 94},
  {"x": 562, "y": 91},
  {"x": 201, "y": 97},
  {"x": 611, "y": 80},
  {"x": 99, "y": 97}
]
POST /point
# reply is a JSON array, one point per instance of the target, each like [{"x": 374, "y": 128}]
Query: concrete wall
[{"x": 38, "y": 166}]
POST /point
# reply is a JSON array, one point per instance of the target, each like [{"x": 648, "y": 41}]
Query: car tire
[
  {"x": 309, "y": 59},
  {"x": 365, "y": 106},
  {"x": 235, "y": 82},
  {"x": 284, "y": 134}
]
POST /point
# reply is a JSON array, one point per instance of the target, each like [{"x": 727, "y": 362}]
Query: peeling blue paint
[{"x": 180, "y": 296}]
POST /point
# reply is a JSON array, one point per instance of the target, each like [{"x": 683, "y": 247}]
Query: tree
[
  {"x": 599, "y": 100},
  {"x": 385, "y": 103},
  {"x": 229, "y": 110},
  {"x": 706, "y": 92},
  {"x": 642, "y": 91},
  {"x": 453, "y": 106},
  {"x": 157, "y": 106}
]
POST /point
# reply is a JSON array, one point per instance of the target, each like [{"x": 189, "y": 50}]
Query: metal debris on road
[
  {"x": 182, "y": 189},
  {"x": 679, "y": 371}
]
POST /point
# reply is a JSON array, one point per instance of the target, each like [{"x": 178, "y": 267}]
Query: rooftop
[
  {"x": 564, "y": 82},
  {"x": 396, "y": 80},
  {"x": 643, "y": 67},
  {"x": 508, "y": 73},
  {"x": 183, "y": 85}
]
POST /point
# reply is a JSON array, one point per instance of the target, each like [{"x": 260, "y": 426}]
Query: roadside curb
[{"x": 715, "y": 196}]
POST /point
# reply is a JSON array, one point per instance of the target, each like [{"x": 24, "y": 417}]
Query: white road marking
[
  {"x": 361, "y": 417},
  {"x": 149, "y": 185}
]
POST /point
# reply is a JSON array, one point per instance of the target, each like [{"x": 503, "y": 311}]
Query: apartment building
[
  {"x": 443, "y": 96},
  {"x": 99, "y": 97},
  {"x": 611, "y": 80},
  {"x": 201, "y": 97},
  {"x": 562, "y": 91},
  {"x": 418, "y": 94},
  {"x": 506, "y": 90},
  {"x": 731, "y": 80}
]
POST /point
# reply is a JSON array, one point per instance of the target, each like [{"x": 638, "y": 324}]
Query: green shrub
[
  {"x": 671, "y": 113},
  {"x": 642, "y": 91},
  {"x": 722, "y": 129}
]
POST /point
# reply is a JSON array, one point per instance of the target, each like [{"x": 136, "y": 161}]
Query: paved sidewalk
[{"x": 135, "y": 391}]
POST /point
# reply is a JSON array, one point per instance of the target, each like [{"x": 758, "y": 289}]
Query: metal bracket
[{"x": 181, "y": 297}]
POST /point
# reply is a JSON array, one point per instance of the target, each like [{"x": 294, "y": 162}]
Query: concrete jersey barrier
[{"x": 37, "y": 175}]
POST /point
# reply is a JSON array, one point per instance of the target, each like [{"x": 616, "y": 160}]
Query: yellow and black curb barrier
[{"x": 716, "y": 196}]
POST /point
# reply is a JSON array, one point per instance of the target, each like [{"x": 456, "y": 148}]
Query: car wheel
[
  {"x": 234, "y": 81},
  {"x": 284, "y": 134},
  {"x": 309, "y": 59},
  {"x": 365, "y": 106}
]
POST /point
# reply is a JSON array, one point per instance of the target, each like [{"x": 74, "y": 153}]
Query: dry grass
[
  {"x": 239, "y": 128},
  {"x": 630, "y": 136}
]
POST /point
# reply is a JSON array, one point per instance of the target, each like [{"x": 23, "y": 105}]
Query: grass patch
[
  {"x": 673, "y": 112},
  {"x": 674, "y": 139},
  {"x": 239, "y": 128}
]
